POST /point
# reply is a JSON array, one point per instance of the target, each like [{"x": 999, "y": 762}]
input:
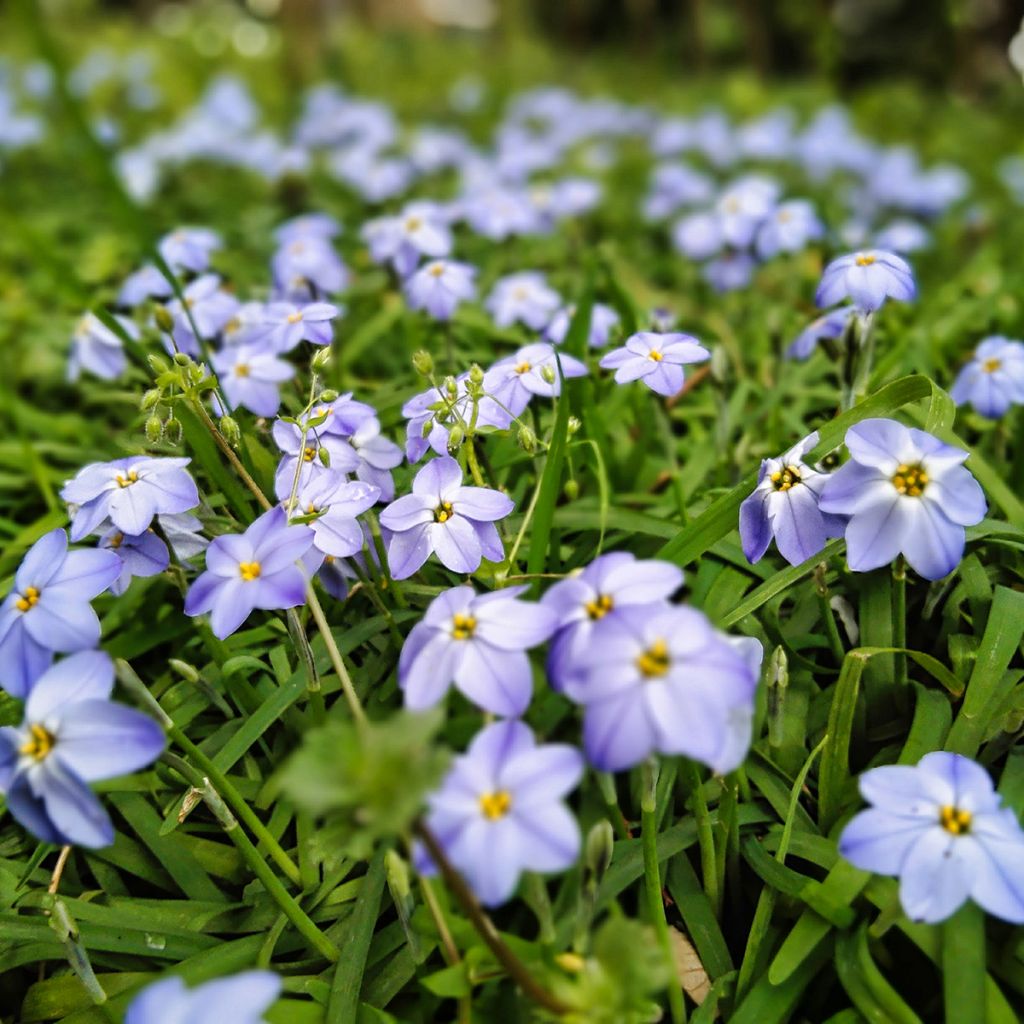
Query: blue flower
[
  {"x": 904, "y": 491},
  {"x": 867, "y": 278},
  {"x": 129, "y": 492},
  {"x": 73, "y": 734},
  {"x": 523, "y": 298},
  {"x": 784, "y": 505},
  {"x": 438, "y": 287},
  {"x": 994, "y": 379},
  {"x": 830, "y": 326},
  {"x": 661, "y": 679},
  {"x": 534, "y": 370},
  {"x": 255, "y": 569},
  {"x": 143, "y": 555},
  {"x": 656, "y": 359},
  {"x": 477, "y": 642},
  {"x": 250, "y": 376},
  {"x": 610, "y": 583},
  {"x": 48, "y": 610},
  {"x": 241, "y": 999},
  {"x": 941, "y": 828},
  {"x": 500, "y": 811},
  {"x": 442, "y": 516}
]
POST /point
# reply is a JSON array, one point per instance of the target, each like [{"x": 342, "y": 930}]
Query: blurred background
[{"x": 961, "y": 44}]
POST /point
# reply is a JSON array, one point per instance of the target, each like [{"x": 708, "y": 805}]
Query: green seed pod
[
  {"x": 527, "y": 439},
  {"x": 455, "y": 438},
  {"x": 229, "y": 428},
  {"x": 476, "y": 374},
  {"x": 597, "y": 854},
  {"x": 172, "y": 430},
  {"x": 321, "y": 359},
  {"x": 548, "y": 374},
  {"x": 573, "y": 425},
  {"x": 571, "y": 489},
  {"x": 154, "y": 429},
  {"x": 150, "y": 399}
]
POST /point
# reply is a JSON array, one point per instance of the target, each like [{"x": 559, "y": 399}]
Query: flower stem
[
  {"x": 229, "y": 823},
  {"x": 652, "y": 885},
  {"x": 515, "y": 968},
  {"x": 706, "y": 841},
  {"x": 899, "y": 618}
]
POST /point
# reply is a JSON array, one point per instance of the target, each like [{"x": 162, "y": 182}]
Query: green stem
[
  {"x": 652, "y": 886},
  {"x": 705, "y": 840},
  {"x": 828, "y": 616},
  {"x": 899, "y": 619},
  {"x": 131, "y": 681},
  {"x": 338, "y": 664},
  {"x": 229, "y": 823}
]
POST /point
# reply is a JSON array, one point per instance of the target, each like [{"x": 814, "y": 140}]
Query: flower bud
[
  {"x": 427, "y": 427},
  {"x": 476, "y": 374},
  {"x": 158, "y": 364},
  {"x": 423, "y": 363},
  {"x": 548, "y": 374},
  {"x": 150, "y": 398},
  {"x": 527, "y": 439},
  {"x": 172, "y": 430},
  {"x": 451, "y": 387},
  {"x": 597, "y": 852},
  {"x": 182, "y": 359},
  {"x": 154, "y": 429},
  {"x": 324, "y": 456},
  {"x": 573, "y": 425},
  {"x": 229, "y": 428},
  {"x": 163, "y": 318},
  {"x": 321, "y": 359},
  {"x": 571, "y": 489},
  {"x": 455, "y": 438},
  {"x": 184, "y": 669},
  {"x": 328, "y": 396}
]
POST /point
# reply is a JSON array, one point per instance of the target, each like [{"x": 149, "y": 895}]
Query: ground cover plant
[{"x": 479, "y": 549}]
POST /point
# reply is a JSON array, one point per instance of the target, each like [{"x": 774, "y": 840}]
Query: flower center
[
  {"x": 910, "y": 480},
  {"x": 463, "y": 626},
  {"x": 242, "y": 370},
  {"x": 600, "y": 606},
  {"x": 126, "y": 480},
  {"x": 443, "y": 512},
  {"x": 956, "y": 822},
  {"x": 991, "y": 365},
  {"x": 864, "y": 259},
  {"x": 495, "y": 805},
  {"x": 413, "y": 224},
  {"x": 39, "y": 743},
  {"x": 655, "y": 661},
  {"x": 523, "y": 367},
  {"x": 294, "y": 318},
  {"x": 232, "y": 325},
  {"x": 27, "y": 600},
  {"x": 786, "y": 478},
  {"x": 250, "y": 570},
  {"x": 116, "y": 541},
  {"x": 519, "y": 293},
  {"x": 308, "y": 453},
  {"x": 655, "y": 355},
  {"x": 436, "y": 270}
]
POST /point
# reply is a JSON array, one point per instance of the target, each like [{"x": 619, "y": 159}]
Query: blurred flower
[
  {"x": 96, "y": 348},
  {"x": 994, "y": 379},
  {"x": 661, "y": 679},
  {"x": 523, "y": 298},
  {"x": 307, "y": 267},
  {"x": 241, "y": 999},
  {"x": 129, "y": 492},
  {"x": 830, "y": 326},
  {"x": 189, "y": 249},
  {"x": 784, "y": 505},
  {"x": 867, "y": 278},
  {"x": 307, "y": 225},
  {"x": 742, "y": 206},
  {"x": 251, "y": 376},
  {"x": 48, "y": 609},
  {"x": 72, "y": 734},
  {"x": 255, "y": 569},
  {"x": 500, "y": 811},
  {"x": 904, "y": 491},
  {"x": 608, "y": 584},
  {"x": 902, "y": 236},
  {"x": 207, "y": 306},
  {"x": 941, "y": 828},
  {"x": 146, "y": 283},
  {"x": 603, "y": 320},
  {"x": 442, "y": 516},
  {"x": 656, "y": 359},
  {"x": 440, "y": 286},
  {"x": 789, "y": 227},
  {"x": 286, "y": 324},
  {"x": 421, "y": 229},
  {"x": 477, "y": 642},
  {"x": 729, "y": 271}
]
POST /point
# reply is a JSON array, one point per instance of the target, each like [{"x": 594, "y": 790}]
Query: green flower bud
[
  {"x": 172, "y": 430},
  {"x": 229, "y": 428},
  {"x": 182, "y": 359},
  {"x": 719, "y": 364},
  {"x": 150, "y": 398},
  {"x": 157, "y": 364},
  {"x": 154, "y": 429},
  {"x": 184, "y": 669},
  {"x": 476, "y": 374},
  {"x": 527, "y": 439},
  {"x": 321, "y": 359},
  {"x": 423, "y": 363},
  {"x": 163, "y": 318},
  {"x": 451, "y": 387},
  {"x": 574, "y": 425},
  {"x": 427, "y": 427},
  {"x": 324, "y": 456},
  {"x": 571, "y": 489},
  {"x": 597, "y": 851},
  {"x": 548, "y": 374},
  {"x": 328, "y": 396},
  {"x": 455, "y": 438}
]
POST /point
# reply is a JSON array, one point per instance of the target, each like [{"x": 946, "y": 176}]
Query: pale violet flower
[
  {"x": 656, "y": 359},
  {"x": 867, "y": 278},
  {"x": 830, "y": 326},
  {"x": 523, "y": 298},
  {"x": 534, "y": 370},
  {"x": 994, "y": 378},
  {"x": 241, "y": 999},
  {"x": 251, "y": 376},
  {"x": 440, "y": 286}
]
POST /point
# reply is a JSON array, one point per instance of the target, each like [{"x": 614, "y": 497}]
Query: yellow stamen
[
  {"x": 294, "y": 318},
  {"x": 655, "y": 355},
  {"x": 523, "y": 367},
  {"x": 864, "y": 259},
  {"x": 436, "y": 269},
  {"x": 910, "y": 480},
  {"x": 599, "y": 607},
  {"x": 655, "y": 661},
  {"x": 991, "y": 365},
  {"x": 308, "y": 453},
  {"x": 27, "y": 600},
  {"x": 39, "y": 744},
  {"x": 463, "y": 626},
  {"x": 786, "y": 478},
  {"x": 116, "y": 541},
  {"x": 443, "y": 512},
  {"x": 954, "y": 821},
  {"x": 249, "y": 570},
  {"x": 127, "y": 480},
  {"x": 413, "y": 223},
  {"x": 495, "y": 805},
  {"x": 242, "y": 370}
]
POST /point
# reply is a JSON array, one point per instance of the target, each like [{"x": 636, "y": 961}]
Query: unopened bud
[
  {"x": 328, "y": 396},
  {"x": 229, "y": 428},
  {"x": 172, "y": 430},
  {"x": 571, "y": 490},
  {"x": 321, "y": 359},
  {"x": 163, "y": 318},
  {"x": 182, "y": 359},
  {"x": 423, "y": 363},
  {"x": 778, "y": 668},
  {"x": 184, "y": 669},
  {"x": 451, "y": 387},
  {"x": 324, "y": 456},
  {"x": 527, "y": 439},
  {"x": 427, "y": 427},
  {"x": 154, "y": 429},
  {"x": 548, "y": 374},
  {"x": 150, "y": 398},
  {"x": 476, "y": 374},
  {"x": 158, "y": 364},
  {"x": 597, "y": 854},
  {"x": 778, "y": 681},
  {"x": 455, "y": 438},
  {"x": 573, "y": 425}
]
